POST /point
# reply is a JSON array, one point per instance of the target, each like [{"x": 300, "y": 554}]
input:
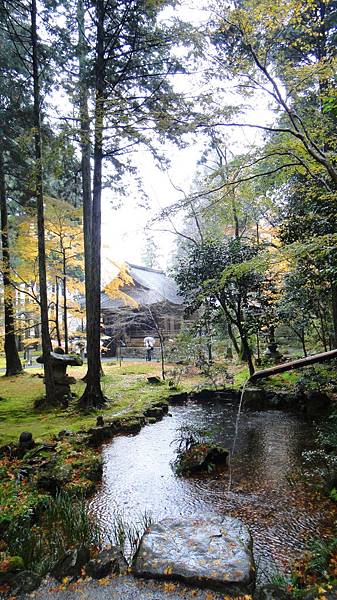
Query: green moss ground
[
  {"x": 126, "y": 387},
  {"x": 282, "y": 380}
]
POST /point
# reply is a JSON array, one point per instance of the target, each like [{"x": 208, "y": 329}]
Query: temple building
[{"x": 148, "y": 304}]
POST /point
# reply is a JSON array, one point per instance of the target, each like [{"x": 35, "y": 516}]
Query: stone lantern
[{"x": 59, "y": 363}]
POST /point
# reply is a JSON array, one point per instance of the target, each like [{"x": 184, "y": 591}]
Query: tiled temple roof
[{"x": 151, "y": 286}]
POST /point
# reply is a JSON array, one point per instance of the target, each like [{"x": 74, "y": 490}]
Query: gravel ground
[{"x": 119, "y": 588}]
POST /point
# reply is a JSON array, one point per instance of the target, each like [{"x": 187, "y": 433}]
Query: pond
[{"x": 266, "y": 492}]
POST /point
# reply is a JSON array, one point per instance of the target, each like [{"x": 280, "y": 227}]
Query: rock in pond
[
  {"x": 26, "y": 581},
  {"x": 210, "y": 553},
  {"x": 106, "y": 562},
  {"x": 71, "y": 563},
  {"x": 201, "y": 457}
]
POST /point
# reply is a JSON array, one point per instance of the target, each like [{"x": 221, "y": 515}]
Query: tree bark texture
[
  {"x": 46, "y": 342},
  {"x": 294, "y": 364},
  {"x": 57, "y": 310},
  {"x": 162, "y": 356},
  {"x": 233, "y": 338},
  {"x": 334, "y": 312},
  {"x": 65, "y": 308},
  {"x": 86, "y": 155},
  {"x": 13, "y": 362},
  {"x": 247, "y": 352},
  {"x": 93, "y": 395}
]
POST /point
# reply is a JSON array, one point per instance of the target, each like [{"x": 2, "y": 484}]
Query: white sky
[{"x": 123, "y": 230}]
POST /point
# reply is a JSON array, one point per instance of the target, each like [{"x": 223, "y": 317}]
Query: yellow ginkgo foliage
[
  {"x": 114, "y": 289},
  {"x": 65, "y": 261}
]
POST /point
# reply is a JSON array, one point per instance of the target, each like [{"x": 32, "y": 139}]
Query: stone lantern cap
[{"x": 59, "y": 358}]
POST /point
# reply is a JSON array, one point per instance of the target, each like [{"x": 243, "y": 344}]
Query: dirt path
[{"x": 119, "y": 588}]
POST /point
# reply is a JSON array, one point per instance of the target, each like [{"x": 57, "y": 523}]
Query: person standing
[{"x": 149, "y": 343}]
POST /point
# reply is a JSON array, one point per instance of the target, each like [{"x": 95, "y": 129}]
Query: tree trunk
[
  {"x": 210, "y": 353},
  {"x": 13, "y": 363},
  {"x": 93, "y": 395},
  {"x": 271, "y": 334},
  {"x": 86, "y": 154},
  {"x": 258, "y": 347},
  {"x": 302, "y": 338},
  {"x": 233, "y": 338},
  {"x": 334, "y": 312},
  {"x": 57, "y": 312},
  {"x": 229, "y": 322},
  {"x": 162, "y": 355},
  {"x": 248, "y": 357},
  {"x": 294, "y": 364},
  {"x": 235, "y": 215},
  {"x": 46, "y": 343},
  {"x": 65, "y": 308},
  {"x": 257, "y": 233}
]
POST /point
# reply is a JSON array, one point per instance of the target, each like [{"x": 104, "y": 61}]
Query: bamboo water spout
[{"x": 294, "y": 364}]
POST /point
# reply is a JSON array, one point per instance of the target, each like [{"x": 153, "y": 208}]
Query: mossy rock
[
  {"x": 129, "y": 425},
  {"x": 98, "y": 435},
  {"x": 80, "y": 487},
  {"x": 151, "y": 420},
  {"x": 201, "y": 457},
  {"x": 62, "y": 472},
  {"x": 179, "y": 398},
  {"x": 9, "y": 565},
  {"x": 154, "y": 380},
  {"x": 154, "y": 411},
  {"x": 25, "y": 582},
  {"x": 91, "y": 467}
]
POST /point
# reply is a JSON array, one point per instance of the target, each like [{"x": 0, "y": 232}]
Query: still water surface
[{"x": 265, "y": 492}]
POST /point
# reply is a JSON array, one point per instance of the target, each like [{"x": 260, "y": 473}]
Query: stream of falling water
[{"x": 236, "y": 432}]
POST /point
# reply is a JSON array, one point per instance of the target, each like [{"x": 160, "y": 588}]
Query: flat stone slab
[{"x": 210, "y": 553}]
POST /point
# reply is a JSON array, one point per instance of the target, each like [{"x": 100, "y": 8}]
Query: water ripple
[{"x": 138, "y": 477}]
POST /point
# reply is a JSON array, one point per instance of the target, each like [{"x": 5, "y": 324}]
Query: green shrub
[
  {"x": 319, "y": 377},
  {"x": 333, "y": 494},
  {"x": 320, "y": 465},
  {"x": 64, "y": 524}
]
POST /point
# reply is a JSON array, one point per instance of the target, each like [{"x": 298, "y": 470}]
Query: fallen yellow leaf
[{"x": 169, "y": 587}]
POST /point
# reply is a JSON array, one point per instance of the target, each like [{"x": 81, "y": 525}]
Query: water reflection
[{"x": 138, "y": 477}]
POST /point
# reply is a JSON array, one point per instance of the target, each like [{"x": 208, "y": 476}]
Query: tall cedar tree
[
  {"x": 93, "y": 395},
  {"x": 46, "y": 342},
  {"x": 85, "y": 142},
  {"x": 131, "y": 65},
  {"x": 13, "y": 100},
  {"x": 13, "y": 363}
]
